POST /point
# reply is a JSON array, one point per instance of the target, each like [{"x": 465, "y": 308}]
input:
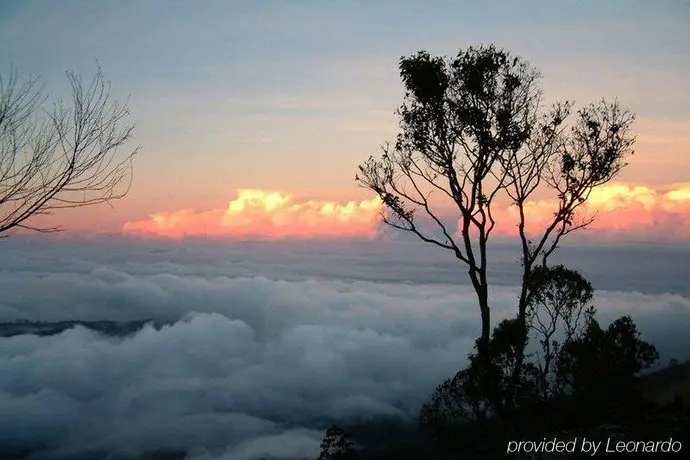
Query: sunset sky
[
  {"x": 245, "y": 295},
  {"x": 253, "y": 115}
]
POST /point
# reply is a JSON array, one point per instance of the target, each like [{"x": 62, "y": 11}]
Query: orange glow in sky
[
  {"x": 621, "y": 209},
  {"x": 267, "y": 214}
]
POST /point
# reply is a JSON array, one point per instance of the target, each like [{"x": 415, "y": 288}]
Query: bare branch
[{"x": 70, "y": 156}]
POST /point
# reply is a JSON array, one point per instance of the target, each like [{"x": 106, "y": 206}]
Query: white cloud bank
[{"x": 258, "y": 366}]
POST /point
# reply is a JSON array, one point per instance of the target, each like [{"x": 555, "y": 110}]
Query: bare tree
[
  {"x": 474, "y": 130},
  {"x": 66, "y": 156}
]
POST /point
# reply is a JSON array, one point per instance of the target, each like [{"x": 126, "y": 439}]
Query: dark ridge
[{"x": 48, "y": 328}]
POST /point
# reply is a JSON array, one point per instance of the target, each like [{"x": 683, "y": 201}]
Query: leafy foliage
[
  {"x": 559, "y": 306},
  {"x": 587, "y": 375},
  {"x": 337, "y": 445},
  {"x": 605, "y": 361},
  {"x": 474, "y": 130}
]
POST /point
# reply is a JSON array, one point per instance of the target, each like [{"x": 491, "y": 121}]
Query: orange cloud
[
  {"x": 257, "y": 213},
  {"x": 620, "y": 209}
]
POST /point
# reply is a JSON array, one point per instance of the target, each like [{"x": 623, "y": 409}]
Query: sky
[{"x": 252, "y": 116}]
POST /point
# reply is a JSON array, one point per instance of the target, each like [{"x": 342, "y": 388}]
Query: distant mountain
[{"x": 46, "y": 328}]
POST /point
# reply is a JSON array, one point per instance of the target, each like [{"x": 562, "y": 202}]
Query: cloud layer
[
  {"x": 269, "y": 215},
  {"x": 257, "y": 363},
  {"x": 206, "y": 383},
  {"x": 622, "y": 210}
]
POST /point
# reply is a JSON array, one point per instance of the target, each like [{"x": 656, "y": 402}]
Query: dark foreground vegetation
[
  {"x": 580, "y": 381},
  {"x": 594, "y": 394}
]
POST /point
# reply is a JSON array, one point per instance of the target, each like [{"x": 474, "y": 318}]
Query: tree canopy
[{"x": 475, "y": 130}]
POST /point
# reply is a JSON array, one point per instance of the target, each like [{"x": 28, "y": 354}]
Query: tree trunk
[
  {"x": 484, "y": 356},
  {"x": 516, "y": 375},
  {"x": 482, "y": 292}
]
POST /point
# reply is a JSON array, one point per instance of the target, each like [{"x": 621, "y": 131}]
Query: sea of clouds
[{"x": 267, "y": 343}]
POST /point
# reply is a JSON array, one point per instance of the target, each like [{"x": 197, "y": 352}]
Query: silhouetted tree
[
  {"x": 605, "y": 361},
  {"x": 559, "y": 310},
  {"x": 591, "y": 380},
  {"x": 474, "y": 130},
  {"x": 468, "y": 409},
  {"x": 337, "y": 445},
  {"x": 63, "y": 157},
  {"x": 476, "y": 392}
]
